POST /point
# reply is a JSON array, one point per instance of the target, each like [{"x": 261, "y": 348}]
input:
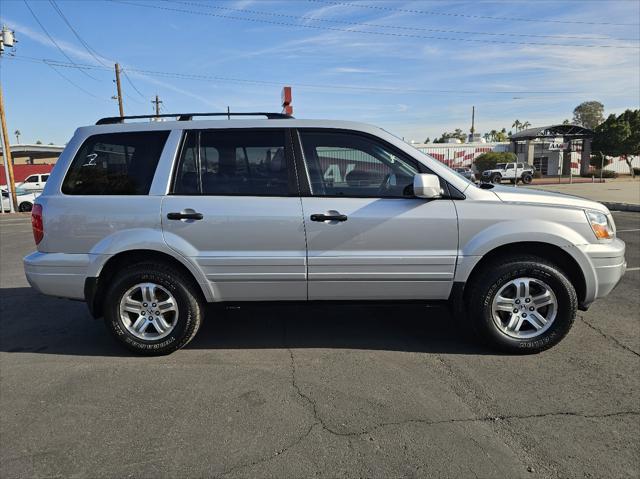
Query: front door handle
[
  {"x": 191, "y": 215},
  {"x": 331, "y": 217}
]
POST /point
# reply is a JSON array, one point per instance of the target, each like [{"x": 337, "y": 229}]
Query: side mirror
[{"x": 426, "y": 186}]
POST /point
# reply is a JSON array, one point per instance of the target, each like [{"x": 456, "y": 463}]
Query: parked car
[
  {"x": 33, "y": 183},
  {"x": 468, "y": 173},
  {"x": 513, "y": 172},
  {"x": 149, "y": 222},
  {"x": 25, "y": 200}
]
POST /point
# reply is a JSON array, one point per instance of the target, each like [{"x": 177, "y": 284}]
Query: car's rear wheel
[
  {"x": 153, "y": 309},
  {"x": 496, "y": 178},
  {"x": 522, "y": 304},
  {"x": 25, "y": 207}
]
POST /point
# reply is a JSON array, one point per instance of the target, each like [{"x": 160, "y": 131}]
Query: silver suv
[{"x": 149, "y": 221}]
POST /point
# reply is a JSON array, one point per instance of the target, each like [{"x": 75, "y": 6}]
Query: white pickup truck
[{"x": 509, "y": 171}]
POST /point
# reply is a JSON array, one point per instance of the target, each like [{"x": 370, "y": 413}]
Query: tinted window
[
  {"x": 31, "y": 179},
  {"x": 343, "y": 164},
  {"x": 45, "y": 177},
  {"x": 115, "y": 164},
  {"x": 238, "y": 162}
]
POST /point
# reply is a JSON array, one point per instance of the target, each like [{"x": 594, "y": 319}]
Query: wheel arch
[
  {"x": 96, "y": 286},
  {"x": 556, "y": 254}
]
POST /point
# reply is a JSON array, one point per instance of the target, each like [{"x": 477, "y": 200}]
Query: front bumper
[{"x": 608, "y": 264}]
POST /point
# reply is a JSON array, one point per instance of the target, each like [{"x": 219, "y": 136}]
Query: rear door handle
[
  {"x": 332, "y": 217},
  {"x": 185, "y": 216}
]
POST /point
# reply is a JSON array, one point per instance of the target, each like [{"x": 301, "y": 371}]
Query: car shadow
[{"x": 34, "y": 323}]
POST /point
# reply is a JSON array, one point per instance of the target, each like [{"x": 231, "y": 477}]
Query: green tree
[
  {"x": 457, "y": 134},
  {"x": 428, "y": 140},
  {"x": 488, "y": 161},
  {"x": 17, "y": 133},
  {"x": 517, "y": 125},
  {"x": 589, "y": 114},
  {"x": 526, "y": 125},
  {"x": 38, "y": 142},
  {"x": 619, "y": 136}
]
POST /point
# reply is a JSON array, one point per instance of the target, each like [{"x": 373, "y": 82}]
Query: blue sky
[{"x": 414, "y": 75}]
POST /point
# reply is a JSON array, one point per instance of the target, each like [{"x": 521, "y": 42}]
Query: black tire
[
  {"x": 496, "y": 178},
  {"x": 189, "y": 302},
  {"x": 527, "y": 178},
  {"x": 25, "y": 207},
  {"x": 486, "y": 285}
]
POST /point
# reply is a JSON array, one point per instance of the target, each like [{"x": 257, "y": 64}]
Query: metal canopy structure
[
  {"x": 570, "y": 135},
  {"x": 569, "y": 132}
]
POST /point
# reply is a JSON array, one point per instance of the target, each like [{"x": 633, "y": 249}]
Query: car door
[
  {"x": 31, "y": 183},
  {"x": 510, "y": 170},
  {"x": 368, "y": 237},
  {"x": 234, "y": 210}
]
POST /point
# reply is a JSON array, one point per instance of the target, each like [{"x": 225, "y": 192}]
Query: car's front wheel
[
  {"x": 153, "y": 309},
  {"x": 522, "y": 304},
  {"x": 527, "y": 178}
]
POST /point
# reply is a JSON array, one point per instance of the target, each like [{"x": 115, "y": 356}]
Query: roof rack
[{"x": 188, "y": 116}]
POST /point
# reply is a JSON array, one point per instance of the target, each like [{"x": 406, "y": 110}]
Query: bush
[
  {"x": 488, "y": 161},
  {"x": 596, "y": 173}
]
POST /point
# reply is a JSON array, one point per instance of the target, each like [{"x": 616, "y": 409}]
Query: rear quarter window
[{"x": 115, "y": 164}]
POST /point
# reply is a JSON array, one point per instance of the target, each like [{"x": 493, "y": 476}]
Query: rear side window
[
  {"x": 115, "y": 164},
  {"x": 233, "y": 162}
]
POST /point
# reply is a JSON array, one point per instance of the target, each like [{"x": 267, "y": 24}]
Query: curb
[{"x": 622, "y": 206}]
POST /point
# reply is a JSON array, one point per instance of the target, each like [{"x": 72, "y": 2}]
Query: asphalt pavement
[{"x": 328, "y": 391}]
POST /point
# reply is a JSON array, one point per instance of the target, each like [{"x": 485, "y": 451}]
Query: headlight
[{"x": 600, "y": 225}]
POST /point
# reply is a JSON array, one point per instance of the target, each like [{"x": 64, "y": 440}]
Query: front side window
[
  {"x": 31, "y": 179},
  {"x": 45, "y": 177},
  {"x": 115, "y": 164},
  {"x": 233, "y": 162},
  {"x": 348, "y": 164}
]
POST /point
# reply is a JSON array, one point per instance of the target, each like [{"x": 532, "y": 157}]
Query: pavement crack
[
  {"x": 265, "y": 459},
  {"x": 607, "y": 336},
  {"x": 491, "y": 418}
]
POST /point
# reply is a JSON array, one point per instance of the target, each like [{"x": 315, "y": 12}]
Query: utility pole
[
  {"x": 473, "y": 120},
  {"x": 119, "y": 87},
  {"x": 7, "y": 38},
  {"x": 157, "y": 102},
  {"x": 473, "y": 125}
]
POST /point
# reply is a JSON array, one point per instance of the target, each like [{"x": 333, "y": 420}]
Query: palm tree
[
  {"x": 525, "y": 125},
  {"x": 517, "y": 125},
  {"x": 17, "y": 133},
  {"x": 493, "y": 134}
]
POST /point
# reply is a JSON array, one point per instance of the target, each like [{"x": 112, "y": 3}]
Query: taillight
[{"x": 36, "y": 223}]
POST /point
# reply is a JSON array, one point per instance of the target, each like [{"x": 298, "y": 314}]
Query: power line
[
  {"x": 464, "y": 15},
  {"x": 69, "y": 80},
  {"x": 91, "y": 51},
  {"x": 187, "y": 76},
  {"x": 132, "y": 85},
  {"x": 388, "y": 34},
  {"x": 52, "y": 39},
  {"x": 395, "y": 27}
]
